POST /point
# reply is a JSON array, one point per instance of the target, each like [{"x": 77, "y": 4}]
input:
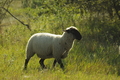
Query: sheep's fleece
[{"x": 47, "y": 45}]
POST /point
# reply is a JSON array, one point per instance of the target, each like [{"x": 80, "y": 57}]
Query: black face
[{"x": 75, "y": 32}]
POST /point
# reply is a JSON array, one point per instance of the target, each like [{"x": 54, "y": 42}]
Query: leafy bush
[{"x": 105, "y": 31}]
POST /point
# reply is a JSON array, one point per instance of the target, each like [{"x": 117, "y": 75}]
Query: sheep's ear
[{"x": 67, "y": 31}]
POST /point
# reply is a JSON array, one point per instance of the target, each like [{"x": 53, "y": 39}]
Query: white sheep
[{"x": 47, "y": 45}]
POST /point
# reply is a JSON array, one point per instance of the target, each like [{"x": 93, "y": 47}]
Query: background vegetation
[{"x": 96, "y": 56}]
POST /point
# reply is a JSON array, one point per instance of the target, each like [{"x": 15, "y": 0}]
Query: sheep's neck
[
  {"x": 67, "y": 37},
  {"x": 67, "y": 40}
]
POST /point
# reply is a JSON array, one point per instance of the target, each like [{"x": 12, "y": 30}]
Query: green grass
[
  {"x": 88, "y": 60},
  {"x": 12, "y": 60}
]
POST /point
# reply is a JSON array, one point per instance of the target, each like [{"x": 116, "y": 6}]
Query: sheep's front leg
[
  {"x": 42, "y": 63},
  {"x": 59, "y": 62},
  {"x": 54, "y": 63}
]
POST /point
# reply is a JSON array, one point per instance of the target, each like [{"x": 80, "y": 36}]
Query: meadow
[{"x": 89, "y": 58}]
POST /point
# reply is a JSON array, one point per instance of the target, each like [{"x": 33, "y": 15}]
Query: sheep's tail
[{"x": 29, "y": 50}]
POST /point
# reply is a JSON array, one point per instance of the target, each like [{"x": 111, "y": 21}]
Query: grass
[
  {"x": 11, "y": 67},
  {"x": 88, "y": 60}
]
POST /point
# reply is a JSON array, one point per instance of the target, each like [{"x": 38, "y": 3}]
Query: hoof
[
  {"x": 44, "y": 67},
  {"x": 24, "y": 68}
]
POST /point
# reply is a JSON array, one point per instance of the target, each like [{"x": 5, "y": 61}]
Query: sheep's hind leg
[
  {"x": 42, "y": 63},
  {"x": 26, "y": 63}
]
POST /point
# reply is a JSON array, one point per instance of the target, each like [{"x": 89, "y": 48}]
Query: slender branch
[{"x": 28, "y": 26}]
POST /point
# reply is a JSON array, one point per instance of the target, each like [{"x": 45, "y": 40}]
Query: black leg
[
  {"x": 54, "y": 63},
  {"x": 61, "y": 64},
  {"x": 42, "y": 63},
  {"x": 26, "y": 63}
]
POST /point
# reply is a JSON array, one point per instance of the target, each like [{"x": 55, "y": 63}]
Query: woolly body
[{"x": 47, "y": 45}]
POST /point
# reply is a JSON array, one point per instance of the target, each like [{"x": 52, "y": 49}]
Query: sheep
[{"x": 47, "y": 45}]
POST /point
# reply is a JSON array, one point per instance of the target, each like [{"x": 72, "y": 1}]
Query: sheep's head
[{"x": 75, "y": 32}]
